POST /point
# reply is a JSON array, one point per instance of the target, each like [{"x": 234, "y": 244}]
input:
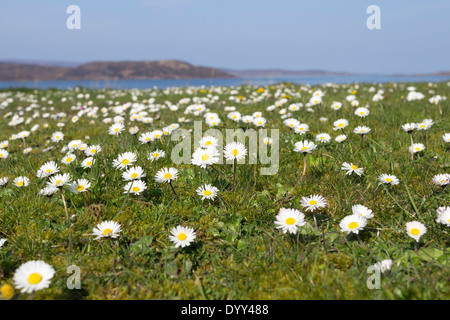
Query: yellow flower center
[
  {"x": 341, "y": 125},
  {"x": 388, "y": 179},
  {"x": 417, "y": 149},
  {"x": 136, "y": 189},
  {"x": 156, "y": 135},
  {"x": 34, "y": 278},
  {"x": 49, "y": 171},
  {"x": 167, "y": 176},
  {"x": 205, "y": 157},
  {"x": 290, "y": 221},
  {"x": 107, "y": 232},
  {"x": 207, "y": 193},
  {"x": 313, "y": 202},
  {"x": 361, "y": 113},
  {"x": 353, "y": 225},
  {"x": 208, "y": 143},
  {"x": 7, "y": 291},
  {"x": 80, "y": 188},
  {"x": 291, "y": 125},
  {"x": 235, "y": 152},
  {"x": 155, "y": 155},
  {"x": 125, "y": 162},
  {"x": 68, "y": 159},
  {"x": 89, "y": 163},
  {"x": 354, "y": 167},
  {"x": 415, "y": 231},
  {"x": 147, "y": 139},
  {"x": 134, "y": 175},
  {"x": 322, "y": 138},
  {"x": 116, "y": 130},
  {"x": 182, "y": 236},
  {"x": 304, "y": 148},
  {"x": 93, "y": 151},
  {"x": 58, "y": 182},
  {"x": 20, "y": 183}
]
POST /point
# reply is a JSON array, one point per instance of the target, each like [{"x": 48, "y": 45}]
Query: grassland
[{"x": 238, "y": 252}]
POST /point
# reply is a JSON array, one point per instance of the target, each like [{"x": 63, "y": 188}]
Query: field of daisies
[{"x": 94, "y": 206}]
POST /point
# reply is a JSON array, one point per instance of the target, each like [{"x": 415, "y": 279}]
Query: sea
[{"x": 228, "y": 82}]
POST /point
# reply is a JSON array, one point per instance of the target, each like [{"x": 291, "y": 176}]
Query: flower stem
[{"x": 171, "y": 186}]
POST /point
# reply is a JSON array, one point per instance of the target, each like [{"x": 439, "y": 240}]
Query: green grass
[{"x": 238, "y": 252}]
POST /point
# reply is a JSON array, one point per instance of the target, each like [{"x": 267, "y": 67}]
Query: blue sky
[{"x": 244, "y": 34}]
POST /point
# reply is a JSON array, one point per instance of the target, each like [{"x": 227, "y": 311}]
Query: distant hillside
[
  {"x": 282, "y": 73},
  {"x": 160, "y": 69}
]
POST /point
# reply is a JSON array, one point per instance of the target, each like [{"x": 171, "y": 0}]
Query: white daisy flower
[
  {"x": 234, "y": 150},
  {"x": 336, "y": 105},
  {"x": 92, "y": 150},
  {"x": 362, "y": 112},
  {"x": 4, "y": 181},
  {"x": 21, "y": 181},
  {"x": 441, "y": 180},
  {"x": 340, "y": 124},
  {"x": 203, "y": 157},
  {"x": 313, "y": 202},
  {"x": 304, "y": 146},
  {"x": 70, "y": 157},
  {"x": 116, "y": 129},
  {"x": 446, "y": 137},
  {"x": 289, "y": 220},
  {"x": 133, "y": 173},
  {"x": 136, "y": 187},
  {"x": 415, "y": 230},
  {"x": 107, "y": 229},
  {"x": 33, "y": 276},
  {"x": 361, "y": 130},
  {"x": 291, "y": 123},
  {"x": 409, "y": 127},
  {"x": 80, "y": 185},
  {"x": 47, "y": 169},
  {"x": 57, "y": 136},
  {"x": 443, "y": 216},
  {"x": 59, "y": 180},
  {"x": 166, "y": 175},
  {"x": 388, "y": 179},
  {"x": 341, "y": 138},
  {"x": 2, "y": 242},
  {"x": 207, "y": 191},
  {"x": 4, "y": 144},
  {"x": 88, "y": 162},
  {"x": 416, "y": 147},
  {"x": 362, "y": 211},
  {"x": 182, "y": 236},
  {"x": 49, "y": 190},
  {"x": 350, "y": 167},
  {"x": 323, "y": 137},
  {"x": 4, "y": 154},
  {"x": 155, "y": 155},
  {"x": 124, "y": 160},
  {"x": 353, "y": 224},
  {"x": 146, "y": 137},
  {"x": 301, "y": 129},
  {"x": 209, "y": 141}
]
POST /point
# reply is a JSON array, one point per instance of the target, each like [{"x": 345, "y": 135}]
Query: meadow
[{"x": 236, "y": 250}]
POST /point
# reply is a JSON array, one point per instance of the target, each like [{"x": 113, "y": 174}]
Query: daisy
[
  {"x": 259, "y": 121},
  {"x": 59, "y": 180},
  {"x": 182, "y": 236},
  {"x": 27, "y": 150},
  {"x": 49, "y": 190},
  {"x": 362, "y": 211},
  {"x": 207, "y": 191},
  {"x": 446, "y": 137},
  {"x": 146, "y": 137},
  {"x": 155, "y": 155},
  {"x": 336, "y": 105},
  {"x": 416, "y": 147},
  {"x": 301, "y": 129},
  {"x": 352, "y": 168},
  {"x": 362, "y": 112},
  {"x": 57, "y": 136},
  {"x": 291, "y": 123},
  {"x": 47, "y": 169},
  {"x": 4, "y": 144},
  {"x": 107, "y": 229},
  {"x": 136, "y": 187},
  {"x": 235, "y": 116},
  {"x": 353, "y": 224},
  {"x": 268, "y": 140},
  {"x": 441, "y": 180},
  {"x": 74, "y": 144},
  {"x": 92, "y": 150},
  {"x": 3, "y": 154},
  {"x": 384, "y": 265},
  {"x": 80, "y": 185},
  {"x": 33, "y": 276},
  {"x": 166, "y": 175},
  {"x": 124, "y": 160},
  {"x": 340, "y": 124},
  {"x": 289, "y": 220},
  {"x": 409, "y": 127},
  {"x": 415, "y": 230},
  {"x": 234, "y": 151},
  {"x": 203, "y": 157},
  {"x": 443, "y": 216},
  {"x": 425, "y": 124},
  {"x": 323, "y": 137},
  {"x": 4, "y": 181},
  {"x": 2, "y": 242},
  {"x": 313, "y": 202},
  {"x": 157, "y": 134},
  {"x": 88, "y": 162},
  {"x": 247, "y": 119},
  {"x": 388, "y": 179},
  {"x": 21, "y": 181},
  {"x": 304, "y": 146},
  {"x": 70, "y": 157},
  {"x": 341, "y": 138},
  {"x": 361, "y": 130},
  {"x": 133, "y": 173},
  {"x": 116, "y": 129}
]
